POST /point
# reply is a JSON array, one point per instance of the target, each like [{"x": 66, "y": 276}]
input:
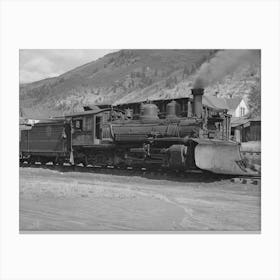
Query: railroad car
[
  {"x": 46, "y": 141},
  {"x": 184, "y": 136}
]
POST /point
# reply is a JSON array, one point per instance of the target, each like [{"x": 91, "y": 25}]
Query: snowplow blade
[{"x": 220, "y": 157}]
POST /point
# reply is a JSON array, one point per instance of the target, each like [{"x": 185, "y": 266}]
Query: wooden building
[{"x": 245, "y": 130}]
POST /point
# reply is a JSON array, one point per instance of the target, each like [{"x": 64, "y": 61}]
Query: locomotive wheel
[
  {"x": 78, "y": 161},
  {"x": 92, "y": 162},
  {"x": 44, "y": 161},
  {"x": 32, "y": 160},
  {"x": 60, "y": 162},
  {"x": 101, "y": 159},
  {"x": 84, "y": 162}
]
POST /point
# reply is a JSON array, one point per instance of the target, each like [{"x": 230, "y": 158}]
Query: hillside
[{"x": 130, "y": 75}]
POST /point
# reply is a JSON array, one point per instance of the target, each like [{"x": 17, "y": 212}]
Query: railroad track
[{"x": 188, "y": 176}]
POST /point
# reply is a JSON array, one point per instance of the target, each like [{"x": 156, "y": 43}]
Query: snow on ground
[{"x": 72, "y": 201}]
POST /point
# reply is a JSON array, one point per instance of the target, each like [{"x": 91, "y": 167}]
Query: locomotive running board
[{"x": 220, "y": 157}]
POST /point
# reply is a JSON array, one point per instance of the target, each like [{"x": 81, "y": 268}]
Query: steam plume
[{"x": 224, "y": 63}]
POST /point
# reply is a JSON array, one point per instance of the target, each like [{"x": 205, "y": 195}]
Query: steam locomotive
[{"x": 178, "y": 134}]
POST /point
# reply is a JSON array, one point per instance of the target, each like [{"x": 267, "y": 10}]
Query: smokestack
[{"x": 197, "y": 101}]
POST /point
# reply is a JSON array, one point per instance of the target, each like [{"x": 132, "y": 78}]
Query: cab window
[
  {"x": 88, "y": 124},
  {"x": 78, "y": 124}
]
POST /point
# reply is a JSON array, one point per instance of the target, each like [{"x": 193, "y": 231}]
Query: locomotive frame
[{"x": 181, "y": 135}]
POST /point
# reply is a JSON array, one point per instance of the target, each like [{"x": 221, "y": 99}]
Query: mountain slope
[{"x": 125, "y": 76}]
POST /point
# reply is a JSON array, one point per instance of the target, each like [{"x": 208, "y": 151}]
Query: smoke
[{"x": 224, "y": 63}]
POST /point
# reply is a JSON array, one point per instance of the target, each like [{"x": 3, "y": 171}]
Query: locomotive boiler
[{"x": 184, "y": 136}]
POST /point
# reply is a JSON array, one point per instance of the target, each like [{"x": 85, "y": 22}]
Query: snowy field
[{"x": 73, "y": 201}]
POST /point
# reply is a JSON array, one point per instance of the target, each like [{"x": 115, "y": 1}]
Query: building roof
[
  {"x": 26, "y": 121},
  {"x": 221, "y": 103},
  {"x": 232, "y": 103},
  {"x": 235, "y": 121},
  {"x": 207, "y": 100},
  {"x": 91, "y": 112},
  {"x": 91, "y": 107},
  {"x": 214, "y": 102},
  {"x": 83, "y": 113}
]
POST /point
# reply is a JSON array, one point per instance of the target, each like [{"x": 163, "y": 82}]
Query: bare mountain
[{"x": 130, "y": 75}]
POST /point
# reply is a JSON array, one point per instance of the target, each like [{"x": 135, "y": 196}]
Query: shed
[{"x": 244, "y": 130}]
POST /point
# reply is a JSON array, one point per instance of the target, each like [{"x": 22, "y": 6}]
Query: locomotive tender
[{"x": 184, "y": 136}]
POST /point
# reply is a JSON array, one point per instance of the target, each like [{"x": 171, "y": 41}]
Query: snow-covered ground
[{"x": 72, "y": 201}]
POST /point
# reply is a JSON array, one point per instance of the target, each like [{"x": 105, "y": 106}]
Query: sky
[{"x": 38, "y": 64}]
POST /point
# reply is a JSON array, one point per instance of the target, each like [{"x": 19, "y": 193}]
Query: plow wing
[{"x": 220, "y": 157}]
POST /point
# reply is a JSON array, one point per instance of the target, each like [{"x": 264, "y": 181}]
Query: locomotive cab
[{"x": 86, "y": 129}]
